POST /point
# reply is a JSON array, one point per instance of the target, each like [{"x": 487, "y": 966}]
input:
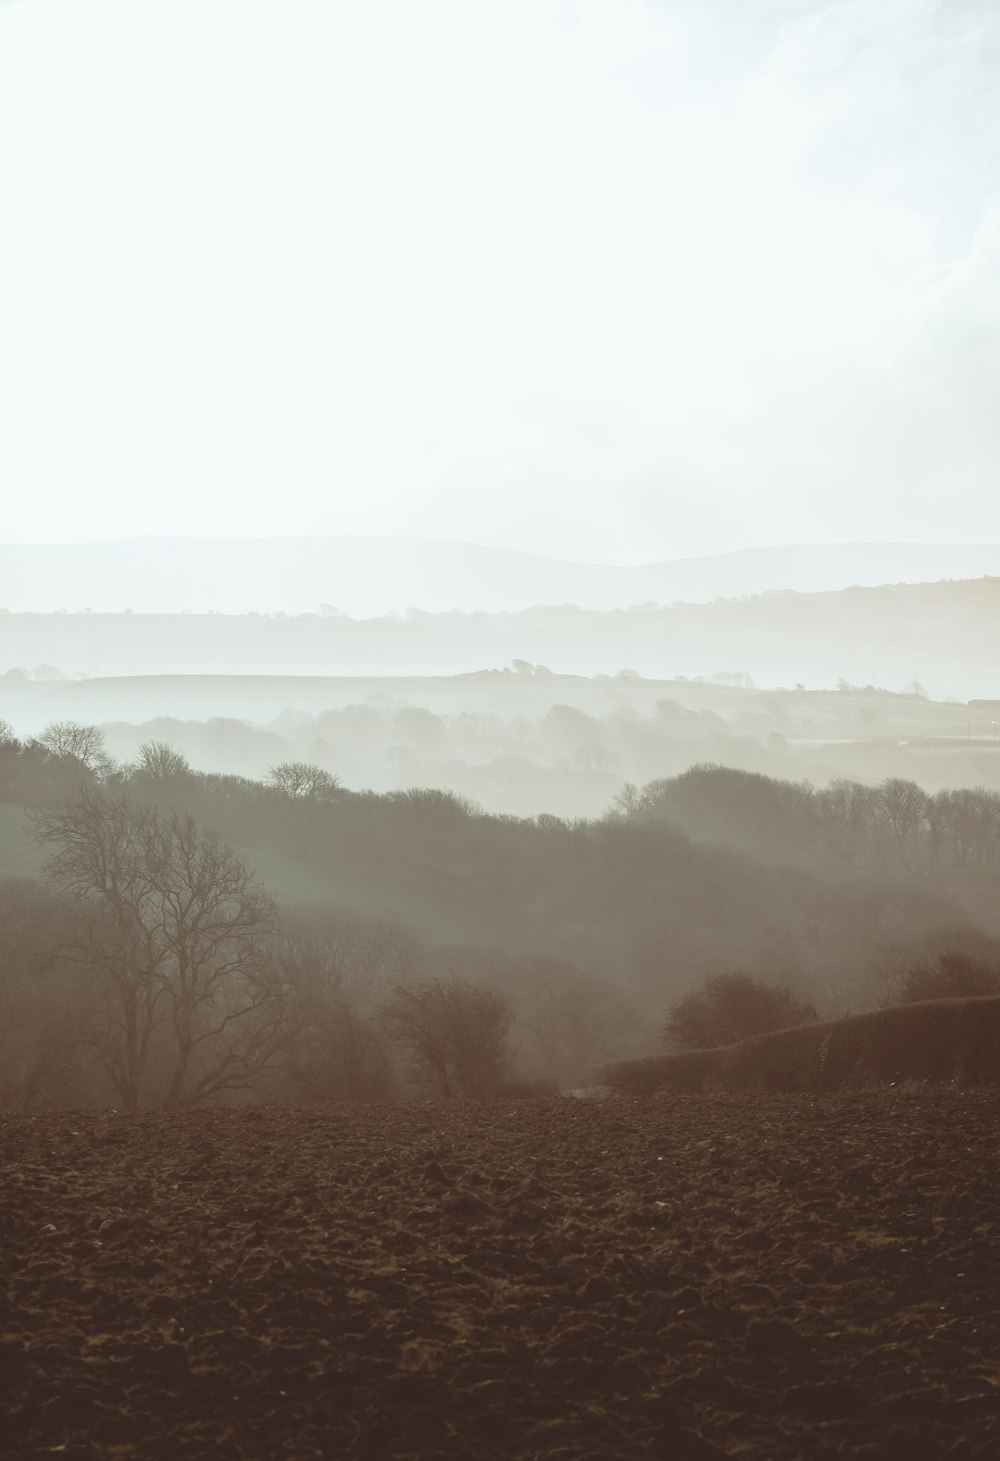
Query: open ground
[{"x": 773, "y": 1277}]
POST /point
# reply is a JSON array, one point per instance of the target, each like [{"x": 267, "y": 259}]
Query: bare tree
[
  {"x": 71, "y": 741},
  {"x": 188, "y": 1001},
  {"x": 159, "y": 761},
  {"x": 628, "y": 801},
  {"x": 849, "y": 816},
  {"x": 902, "y": 814},
  {"x": 454, "y": 1032},
  {"x": 301, "y": 780},
  {"x": 965, "y": 826}
]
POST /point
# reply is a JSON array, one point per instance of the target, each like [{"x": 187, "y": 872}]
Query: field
[{"x": 684, "y": 1276}]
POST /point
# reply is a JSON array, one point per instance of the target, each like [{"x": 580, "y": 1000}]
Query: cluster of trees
[
  {"x": 151, "y": 965},
  {"x": 846, "y": 826},
  {"x": 731, "y": 1007},
  {"x": 518, "y": 742},
  {"x": 67, "y": 755},
  {"x": 737, "y": 1006}
]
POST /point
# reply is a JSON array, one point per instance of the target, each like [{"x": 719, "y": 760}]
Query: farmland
[{"x": 684, "y": 1276}]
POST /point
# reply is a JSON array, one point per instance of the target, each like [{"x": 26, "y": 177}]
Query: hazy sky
[{"x": 611, "y": 279}]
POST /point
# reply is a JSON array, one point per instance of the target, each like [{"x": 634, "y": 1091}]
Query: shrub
[
  {"x": 954, "y": 1040},
  {"x": 732, "y": 1007}
]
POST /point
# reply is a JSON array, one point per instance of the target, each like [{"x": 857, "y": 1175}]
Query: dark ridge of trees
[
  {"x": 846, "y": 827},
  {"x": 592, "y": 930}
]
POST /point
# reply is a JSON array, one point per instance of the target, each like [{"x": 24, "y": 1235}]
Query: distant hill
[
  {"x": 370, "y": 576},
  {"x": 946, "y": 634}
]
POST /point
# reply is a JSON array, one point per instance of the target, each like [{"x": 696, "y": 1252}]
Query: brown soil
[{"x": 686, "y": 1277}]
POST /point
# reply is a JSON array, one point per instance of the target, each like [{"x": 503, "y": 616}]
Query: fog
[
  {"x": 462, "y": 454},
  {"x": 499, "y": 728},
  {"x": 843, "y": 892},
  {"x": 608, "y": 280},
  {"x": 366, "y": 577}
]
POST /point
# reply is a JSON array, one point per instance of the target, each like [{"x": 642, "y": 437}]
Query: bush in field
[
  {"x": 731, "y": 1007},
  {"x": 454, "y": 1032}
]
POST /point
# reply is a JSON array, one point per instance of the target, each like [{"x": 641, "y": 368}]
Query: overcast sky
[{"x": 606, "y": 279}]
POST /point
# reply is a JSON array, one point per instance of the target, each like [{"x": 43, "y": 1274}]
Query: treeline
[
  {"x": 149, "y": 966},
  {"x": 587, "y": 930},
  {"x": 844, "y": 828}
]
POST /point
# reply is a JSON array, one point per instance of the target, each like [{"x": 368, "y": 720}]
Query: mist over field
[{"x": 500, "y": 729}]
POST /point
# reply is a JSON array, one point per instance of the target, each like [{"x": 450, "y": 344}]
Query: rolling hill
[
  {"x": 947, "y": 634},
  {"x": 369, "y": 576}
]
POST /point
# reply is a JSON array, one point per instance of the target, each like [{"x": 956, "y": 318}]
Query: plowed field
[{"x": 682, "y": 1277}]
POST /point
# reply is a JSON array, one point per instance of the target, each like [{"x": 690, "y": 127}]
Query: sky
[{"x": 615, "y": 280}]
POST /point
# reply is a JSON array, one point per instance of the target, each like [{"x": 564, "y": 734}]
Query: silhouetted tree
[
  {"x": 628, "y": 801},
  {"x": 902, "y": 812},
  {"x": 965, "y": 826},
  {"x": 301, "y": 780},
  {"x": 731, "y": 1007},
  {"x": 849, "y": 815},
  {"x": 453, "y": 1031},
  {"x": 71, "y": 741},
  {"x": 175, "y": 938},
  {"x": 159, "y": 761}
]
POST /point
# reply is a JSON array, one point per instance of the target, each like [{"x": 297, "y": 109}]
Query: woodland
[{"x": 175, "y": 936}]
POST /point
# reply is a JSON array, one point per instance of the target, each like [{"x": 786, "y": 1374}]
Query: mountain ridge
[{"x": 368, "y": 576}]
